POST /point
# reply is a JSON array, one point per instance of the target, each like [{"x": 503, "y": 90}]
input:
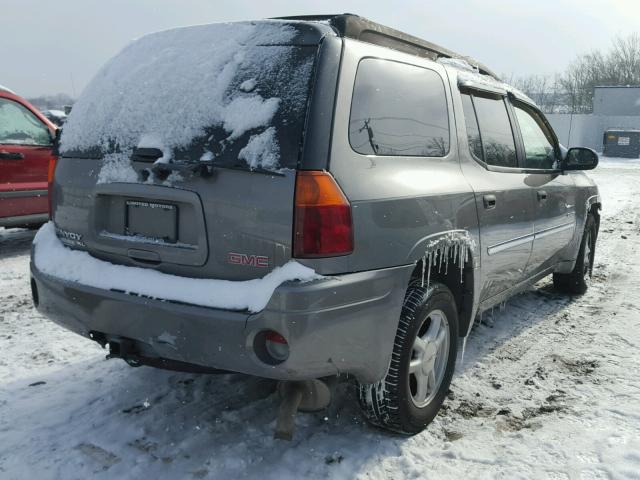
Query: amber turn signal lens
[{"x": 322, "y": 223}]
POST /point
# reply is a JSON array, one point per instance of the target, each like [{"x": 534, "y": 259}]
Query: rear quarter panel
[{"x": 397, "y": 202}]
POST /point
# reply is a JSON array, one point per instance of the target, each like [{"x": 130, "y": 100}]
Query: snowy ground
[{"x": 549, "y": 388}]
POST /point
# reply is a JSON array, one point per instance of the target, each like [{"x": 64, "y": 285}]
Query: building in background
[{"x": 614, "y": 109}]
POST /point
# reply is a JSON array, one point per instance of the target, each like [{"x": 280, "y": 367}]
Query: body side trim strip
[
  {"x": 23, "y": 193},
  {"x": 550, "y": 231},
  {"x": 499, "y": 247},
  {"x": 493, "y": 249}
]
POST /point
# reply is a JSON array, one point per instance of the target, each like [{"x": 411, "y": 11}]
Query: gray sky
[{"x": 51, "y": 47}]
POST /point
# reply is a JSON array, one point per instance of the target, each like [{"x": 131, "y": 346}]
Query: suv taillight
[
  {"x": 322, "y": 218},
  {"x": 50, "y": 176}
]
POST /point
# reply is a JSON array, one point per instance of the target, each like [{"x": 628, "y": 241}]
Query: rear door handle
[
  {"x": 489, "y": 201},
  {"x": 542, "y": 195},
  {"x": 11, "y": 156}
]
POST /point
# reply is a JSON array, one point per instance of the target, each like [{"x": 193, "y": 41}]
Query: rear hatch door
[{"x": 181, "y": 153}]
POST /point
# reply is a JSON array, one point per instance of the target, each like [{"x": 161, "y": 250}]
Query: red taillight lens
[
  {"x": 276, "y": 346},
  {"x": 275, "y": 337},
  {"x": 322, "y": 224},
  {"x": 50, "y": 176}
]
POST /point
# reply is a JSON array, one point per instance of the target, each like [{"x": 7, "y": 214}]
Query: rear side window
[
  {"x": 489, "y": 130},
  {"x": 495, "y": 129},
  {"x": 398, "y": 110},
  {"x": 538, "y": 140},
  {"x": 473, "y": 131},
  {"x": 18, "y": 126}
]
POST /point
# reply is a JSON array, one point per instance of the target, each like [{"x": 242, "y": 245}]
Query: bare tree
[{"x": 572, "y": 91}]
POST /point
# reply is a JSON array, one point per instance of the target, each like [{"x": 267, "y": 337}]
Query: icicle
[
  {"x": 446, "y": 263},
  {"x": 464, "y": 347},
  {"x": 453, "y": 247}
]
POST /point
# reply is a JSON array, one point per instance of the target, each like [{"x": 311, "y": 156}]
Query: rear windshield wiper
[
  {"x": 146, "y": 154},
  {"x": 245, "y": 168},
  {"x": 204, "y": 168}
]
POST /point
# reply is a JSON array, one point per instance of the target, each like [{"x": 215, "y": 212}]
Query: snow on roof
[
  {"x": 173, "y": 84},
  {"x": 53, "y": 258},
  {"x": 7, "y": 89},
  {"x": 469, "y": 75}
]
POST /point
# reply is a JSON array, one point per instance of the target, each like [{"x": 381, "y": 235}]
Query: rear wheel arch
[{"x": 461, "y": 284}]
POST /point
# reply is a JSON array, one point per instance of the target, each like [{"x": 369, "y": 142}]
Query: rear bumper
[
  {"x": 341, "y": 324},
  {"x": 34, "y": 219}
]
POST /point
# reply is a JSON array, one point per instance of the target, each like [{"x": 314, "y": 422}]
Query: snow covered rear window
[{"x": 235, "y": 94}]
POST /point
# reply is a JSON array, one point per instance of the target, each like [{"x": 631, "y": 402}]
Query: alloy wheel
[{"x": 429, "y": 358}]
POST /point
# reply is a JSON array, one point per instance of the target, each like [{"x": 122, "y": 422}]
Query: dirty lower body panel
[{"x": 335, "y": 325}]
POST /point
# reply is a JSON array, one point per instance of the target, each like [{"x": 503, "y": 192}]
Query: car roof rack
[{"x": 348, "y": 25}]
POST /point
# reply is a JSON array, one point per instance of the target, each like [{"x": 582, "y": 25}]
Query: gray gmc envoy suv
[{"x": 306, "y": 197}]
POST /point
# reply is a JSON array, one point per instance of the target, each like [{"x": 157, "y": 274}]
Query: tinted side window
[
  {"x": 471, "y": 122},
  {"x": 398, "y": 110},
  {"x": 537, "y": 139},
  {"x": 18, "y": 126},
  {"x": 495, "y": 129}
]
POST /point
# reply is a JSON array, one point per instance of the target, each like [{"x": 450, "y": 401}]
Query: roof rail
[{"x": 353, "y": 26}]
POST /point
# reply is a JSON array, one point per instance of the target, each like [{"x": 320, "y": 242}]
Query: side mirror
[
  {"x": 580, "y": 158},
  {"x": 56, "y": 142}
]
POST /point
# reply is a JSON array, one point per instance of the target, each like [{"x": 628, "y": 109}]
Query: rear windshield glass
[{"x": 234, "y": 94}]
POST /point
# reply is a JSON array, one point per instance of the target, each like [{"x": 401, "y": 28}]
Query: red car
[{"x": 26, "y": 154}]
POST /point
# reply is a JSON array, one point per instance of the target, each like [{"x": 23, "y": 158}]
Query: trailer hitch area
[
  {"x": 126, "y": 350},
  {"x": 306, "y": 396},
  {"x": 99, "y": 338}
]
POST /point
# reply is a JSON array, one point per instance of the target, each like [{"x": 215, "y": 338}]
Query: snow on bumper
[
  {"x": 342, "y": 324},
  {"x": 53, "y": 258}
]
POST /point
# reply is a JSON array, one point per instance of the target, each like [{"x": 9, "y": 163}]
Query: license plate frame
[{"x": 155, "y": 221}]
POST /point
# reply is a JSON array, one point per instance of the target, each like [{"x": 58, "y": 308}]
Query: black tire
[
  {"x": 577, "y": 281},
  {"x": 390, "y": 403}
]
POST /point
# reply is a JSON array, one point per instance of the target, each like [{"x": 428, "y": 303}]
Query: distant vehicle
[
  {"x": 26, "y": 143},
  {"x": 421, "y": 188},
  {"x": 57, "y": 117}
]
